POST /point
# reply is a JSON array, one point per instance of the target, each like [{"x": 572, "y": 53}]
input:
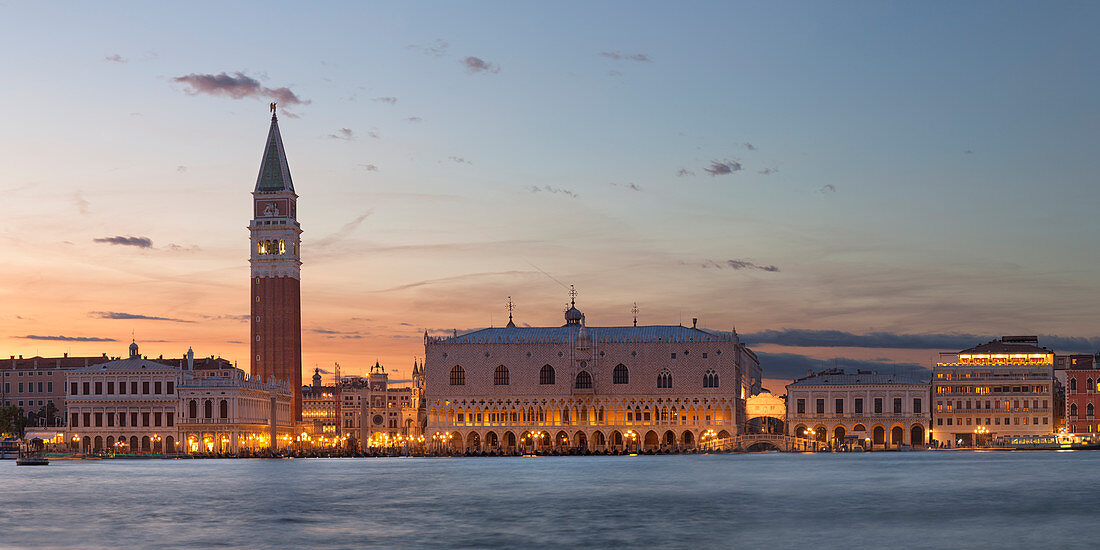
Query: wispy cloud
[
  {"x": 369, "y": 167},
  {"x": 748, "y": 146},
  {"x": 768, "y": 171},
  {"x": 414, "y": 119},
  {"x": 343, "y": 232},
  {"x": 723, "y": 168},
  {"x": 895, "y": 340},
  {"x": 117, "y": 315},
  {"x": 792, "y": 366},
  {"x": 181, "y": 169},
  {"x": 618, "y": 56},
  {"x": 827, "y": 188},
  {"x": 968, "y": 152},
  {"x": 459, "y": 160},
  {"x": 115, "y": 58},
  {"x": 737, "y": 265},
  {"x": 555, "y": 190},
  {"x": 479, "y": 65},
  {"x": 614, "y": 73},
  {"x": 436, "y": 49},
  {"x": 631, "y": 186},
  {"x": 390, "y": 100},
  {"x": 81, "y": 204},
  {"x": 684, "y": 172},
  {"x": 238, "y": 86},
  {"x": 67, "y": 338},
  {"x": 238, "y": 318},
  {"x": 140, "y": 242},
  {"x": 343, "y": 133},
  {"x": 373, "y": 133}
]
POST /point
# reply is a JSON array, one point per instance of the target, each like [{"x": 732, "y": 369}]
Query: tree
[{"x": 12, "y": 421}]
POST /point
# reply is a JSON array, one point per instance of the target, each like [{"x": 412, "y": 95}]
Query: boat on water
[
  {"x": 31, "y": 455},
  {"x": 1051, "y": 442}
]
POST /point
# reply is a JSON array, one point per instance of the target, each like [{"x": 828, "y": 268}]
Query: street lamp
[
  {"x": 978, "y": 432},
  {"x": 631, "y": 436}
]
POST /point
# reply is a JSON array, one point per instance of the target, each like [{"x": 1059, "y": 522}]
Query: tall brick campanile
[{"x": 276, "y": 267}]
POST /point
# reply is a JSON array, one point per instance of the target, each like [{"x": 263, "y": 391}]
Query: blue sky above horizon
[{"x": 908, "y": 169}]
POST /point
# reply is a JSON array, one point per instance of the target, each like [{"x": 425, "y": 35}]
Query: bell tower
[{"x": 276, "y": 337}]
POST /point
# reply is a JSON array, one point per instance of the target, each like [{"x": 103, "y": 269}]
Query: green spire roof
[{"x": 274, "y": 171}]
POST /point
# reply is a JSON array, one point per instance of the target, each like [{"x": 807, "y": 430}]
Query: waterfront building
[
  {"x": 876, "y": 411},
  {"x": 1082, "y": 394},
  {"x": 125, "y": 405},
  {"x": 319, "y": 414},
  {"x": 226, "y": 412},
  {"x": 1000, "y": 389},
  {"x": 579, "y": 387},
  {"x": 765, "y": 413},
  {"x": 275, "y": 294},
  {"x": 35, "y": 383},
  {"x": 386, "y": 415}
]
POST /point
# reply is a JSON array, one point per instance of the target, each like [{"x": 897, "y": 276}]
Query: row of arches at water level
[
  {"x": 508, "y": 441},
  {"x": 133, "y": 444},
  {"x": 877, "y": 436}
]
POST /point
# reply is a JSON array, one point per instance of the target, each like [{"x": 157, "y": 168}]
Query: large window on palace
[
  {"x": 546, "y": 375},
  {"x": 664, "y": 379},
  {"x": 859, "y": 405},
  {"x": 801, "y": 406},
  {"x": 820, "y": 406},
  {"x": 75, "y": 422},
  {"x": 897, "y": 405},
  {"x": 156, "y": 418},
  {"x": 156, "y": 387},
  {"x": 620, "y": 375},
  {"x": 500, "y": 376},
  {"x": 584, "y": 381},
  {"x": 145, "y": 389},
  {"x": 133, "y": 387},
  {"x": 170, "y": 417},
  {"x": 171, "y": 388},
  {"x": 878, "y": 405},
  {"x": 839, "y": 406},
  {"x": 917, "y": 405},
  {"x": 458, "y": 376},
  {"x": 710, "y": 379},
  {"x": 110, "y": 388},
  {"x": 144, "y": 419},
  {"x": 87, "y": 388}
]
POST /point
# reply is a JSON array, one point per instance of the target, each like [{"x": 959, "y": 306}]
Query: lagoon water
[{"x": 907, "y": 500}]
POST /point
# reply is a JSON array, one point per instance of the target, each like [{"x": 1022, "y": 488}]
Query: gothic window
[
  {"x": 546, "y": 375},
  {"x": 710, "y": 379},
  {"x": 500, "y": 376},
  {"x": 621, "y": 375},
  {"x": 584, "y": 381},
  {"x": 1089, "y": 410},
  {"x": 458, "y": 376},
  {"x": 1088, "y": 386},
  {"x": 664, "y": 379},
  {"x": 1073, "y": 409},
  {"x": 1072, "y": 384}
]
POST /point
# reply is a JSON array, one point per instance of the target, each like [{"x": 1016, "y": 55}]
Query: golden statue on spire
[{"x": 273, "y": 108}]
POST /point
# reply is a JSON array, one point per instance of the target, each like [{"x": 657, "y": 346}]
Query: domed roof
[
  {"x": 133, "y": 349},
  {"x": 573, "y": 316}
]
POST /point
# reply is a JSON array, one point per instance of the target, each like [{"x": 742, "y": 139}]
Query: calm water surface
[{"x": 908, "y": 500}]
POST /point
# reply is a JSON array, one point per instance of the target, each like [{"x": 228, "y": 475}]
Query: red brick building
[
  {"x": 276, "y": 336},
  {"x": 1082, "y": 394}
]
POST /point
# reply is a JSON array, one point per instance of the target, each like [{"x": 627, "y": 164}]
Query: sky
[{"x": 854, "y": 184}]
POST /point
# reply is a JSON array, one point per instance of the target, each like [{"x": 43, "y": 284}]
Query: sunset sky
[{"x": 868, "y": 182}]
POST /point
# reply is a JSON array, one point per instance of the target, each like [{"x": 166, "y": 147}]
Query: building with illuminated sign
[
  {"x": 1082, "y": 394},
  {"x": 1002, "y": 388},
  {"x": 875, "y": 411},
  {"x": 585, "y": 388}
]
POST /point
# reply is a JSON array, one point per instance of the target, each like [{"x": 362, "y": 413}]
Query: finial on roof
[
  {"x": 511, "y": 307},
  {"x": 273, "y": 110},
  {"x": 572, "y": 296},
  {"x": 634, "y": 310}
]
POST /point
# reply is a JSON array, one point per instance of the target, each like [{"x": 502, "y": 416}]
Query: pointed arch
[
  {"x": 621, "y": 375},
  {"x": 500, "y": 376},
  {"x": 664, "y": 378},
  {"x": 546, "y": 375},
  {"x": 584, "y": 381},
  {"x": 458, "y": 376}
]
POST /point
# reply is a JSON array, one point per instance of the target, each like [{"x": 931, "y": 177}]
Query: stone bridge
[{"x": 761, "y": 442}]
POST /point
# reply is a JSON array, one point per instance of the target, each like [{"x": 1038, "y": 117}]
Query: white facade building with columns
[
  {"x": 585, "y": 388},
  {"x": 123, "y": 406},
  {"x": 227, "y": 412},
  {"x": 876, "y": 411}
]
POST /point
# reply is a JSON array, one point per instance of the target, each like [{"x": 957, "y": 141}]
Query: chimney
[{"x": 694, "y": 321}]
